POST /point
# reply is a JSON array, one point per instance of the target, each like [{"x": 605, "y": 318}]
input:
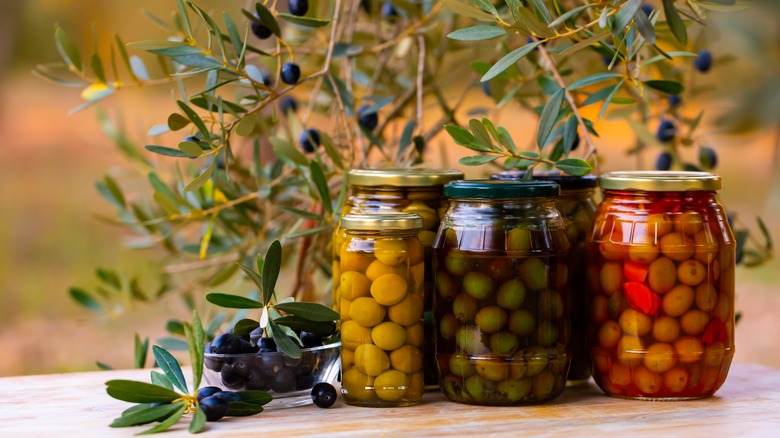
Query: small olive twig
[{"x": 550, "y": 64}]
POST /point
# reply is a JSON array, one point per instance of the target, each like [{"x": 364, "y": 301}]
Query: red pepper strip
[
  {"x": 715, "y": 332},
  {"x": 641, "y": 298},
  {"x": 634, "y": 271}
]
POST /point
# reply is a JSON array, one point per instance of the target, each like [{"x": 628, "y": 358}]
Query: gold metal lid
[
  {"x": 381, "y": 222},
  {"x": 403, "y": 177},
  {"x": 660, "y": 181}
]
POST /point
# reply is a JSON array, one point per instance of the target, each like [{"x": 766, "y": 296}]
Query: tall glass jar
[
  {"x": 502, "y": 302},
  {"x": 381, "y": 306},
  {"x": 661, "y": 286},
  {"x": 402, "y": 190},
  {"x": 577, "y": 204}
]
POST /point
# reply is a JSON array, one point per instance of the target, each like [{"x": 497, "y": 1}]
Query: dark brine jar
[
  {"x": 502, "y": 303},
  {"x": 577, "y": 205},
  {"x": 661, "y": 286},
  {"x": 401, "y": 190},
  {"x": 381, "y": 310}
]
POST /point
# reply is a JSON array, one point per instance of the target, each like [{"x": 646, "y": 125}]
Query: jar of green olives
[
  {"x": 381, "y": 308},
  {"x": 402, "y": 190},
  {"x": 577, "y": 204},
  {"x": 502, "y": 304},
  {"x": 660, "y": 280}
]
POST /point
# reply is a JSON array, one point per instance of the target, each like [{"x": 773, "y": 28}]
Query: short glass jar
[
  {"x": 577, "y": 204},
  {"x": 402, "y": 190},
  {"x": 661, "y": 286},
  {"x": 381, "y": 307},
  {"x": 502, "y": 301}
]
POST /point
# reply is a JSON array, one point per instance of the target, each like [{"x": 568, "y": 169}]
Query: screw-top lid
[
  {"x": 403, "y": 177},
  {"x": 567, "y": 182},
  {"x": 660, "y": 181},
  {"x": 494, "y": 189},
  {"x": 381, "y": 222}
]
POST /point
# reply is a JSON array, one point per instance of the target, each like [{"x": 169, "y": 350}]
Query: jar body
[
  {"x": 578, "y": 208},
  {"x": 660, "y": 278},
  {"x": 381, "y": 307},
  {"x": 502, "y": 307},
  {"x": 428, "y": 202}
]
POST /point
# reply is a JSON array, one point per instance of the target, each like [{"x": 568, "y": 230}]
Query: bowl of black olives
[{"x": 253, "y": 362}]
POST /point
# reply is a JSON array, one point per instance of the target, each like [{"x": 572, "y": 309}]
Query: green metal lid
[
  {"x": 381, "y": 222},
  {"x": 495, "y": 189}
]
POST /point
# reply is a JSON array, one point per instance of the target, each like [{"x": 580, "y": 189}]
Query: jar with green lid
[
  {"x": 402, "y": 190},
  {"x": 577, "y": 204},
  {"x": 381, "y": 307},
  {"x": 502, "y": 307},
  {"x": 660, "y": 278}
]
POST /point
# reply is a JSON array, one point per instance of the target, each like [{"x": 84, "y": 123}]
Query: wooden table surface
[{"x": 76, "y": 404}]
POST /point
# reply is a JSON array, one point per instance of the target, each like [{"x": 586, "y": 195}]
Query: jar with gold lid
[
  {"x": 381, "y": 307},
  {"x": 660, "y": 277},
  {"x": 402, "y": 190}
]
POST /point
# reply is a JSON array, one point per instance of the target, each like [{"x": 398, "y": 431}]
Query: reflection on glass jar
[
  {"x": 412, "y": 191},
  {"x": 380, "y": 300},
  {"x": 577, "y": 205},
  {"x": 502, "y": 302},
  {"x": 661, "y": 286}
]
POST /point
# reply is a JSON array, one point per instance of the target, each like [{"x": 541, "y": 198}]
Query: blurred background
[{"x": 51, "y": 238}]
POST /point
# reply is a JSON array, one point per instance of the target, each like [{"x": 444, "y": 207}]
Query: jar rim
[
  {"x": 381, "y": 222},
  {"x": 402, "y": 177},
  {"x": 499, "y": 189},
  {"x": 660, "y": 181}
]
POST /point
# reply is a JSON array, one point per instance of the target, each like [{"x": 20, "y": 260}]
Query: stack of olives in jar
[
  {"x": 402, "y": 190},
  {"x": 502, "y": 302},
  {"x": 577, "y": 205},
  {"x": 661, "y": 286},
  {"x": 381, "y": 295}
]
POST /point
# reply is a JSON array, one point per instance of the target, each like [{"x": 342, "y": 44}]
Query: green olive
[
  {"x": 517, "y": 366},
  {"x": 533, "y": 271},
  {"x": 478, "y": 285},
  {"x": 659, "y": 225},
  {"x": 461, "y": 365},
  {"x": 518, "y": 239},
  {"x": 643, "y": 252},
  {"x": 666, "y": 329},
  {"x": 492, "y": 369},
  {"x": 458, "y": 264},
  {"x": 542, "y": 385},
  {"x": 503, "y": 343},
  {"x": 469, "y": 340},
  {"x": 635, "y": 323},
  {"x": 660, "y": 357},
  {"x": 676, "y": 379},
  {"x": 427, "y": 238},
  {"x": 688, "y": 349},
  {"x": 647, "y": 381},
  {"x": 630, "y": 350},
  {"x": 706, "y": 297},
  {"x": 688, "y": 223},
  {"x": 691, "y": 272},
  {"x": 511, "y": 294},
  {"x": 619, "y": 374},
  {"x": 611, "y": 277},
  {"x": 475, "y": 386},
  {"x": 550, "y": 304},
  {"x": 448, "y": 326},
  {"x": 446, "y": 285},
  {"x": 522, "y": 322},
  {"x": 464, "y": 307},
  {"x": 491, "y": 319},
  {"x": 706, "y": 247},
  {"x": 391, "y": 252},
  {"x": 546, "y": 333},
  {"x": 616, "y": 304},
  {"x": 694, "y": 322},
  {"x": 536, "y": 359},
  {"x": 609, "y": 334},
  {"x": 678, "y": 300},
  {"x": 662, "y": 275},
  {"x": 612, "y": 248},
  {"x": 429, "y": 216},
  {"x": 515, "y": 389}
]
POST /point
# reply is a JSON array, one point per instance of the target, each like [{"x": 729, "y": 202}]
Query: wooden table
[{"x": 77, "y": 405}]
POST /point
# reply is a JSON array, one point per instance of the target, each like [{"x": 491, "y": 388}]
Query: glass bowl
[{"x": 288, "y": 380}]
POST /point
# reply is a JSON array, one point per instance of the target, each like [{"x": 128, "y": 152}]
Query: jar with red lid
[{"x": 660, "y": 279}]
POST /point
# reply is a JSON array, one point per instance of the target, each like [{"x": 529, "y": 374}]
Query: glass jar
[
  {"x": 381, "y": 306},
  {"x": 502, "y": 303},
  {"x": 660, "y": 282},
  {"x": 403, "y": 190},
  {"x": 577, "y": 204}
]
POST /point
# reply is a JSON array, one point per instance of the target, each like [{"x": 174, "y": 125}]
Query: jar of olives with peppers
[
  {"x": 502, "y": 301},
  {"x": 380, "y": 300},
  {"x": 660, "y": 277},
  {"x": 402, "y": 190},
  {"x": 577, "y": 205}
]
